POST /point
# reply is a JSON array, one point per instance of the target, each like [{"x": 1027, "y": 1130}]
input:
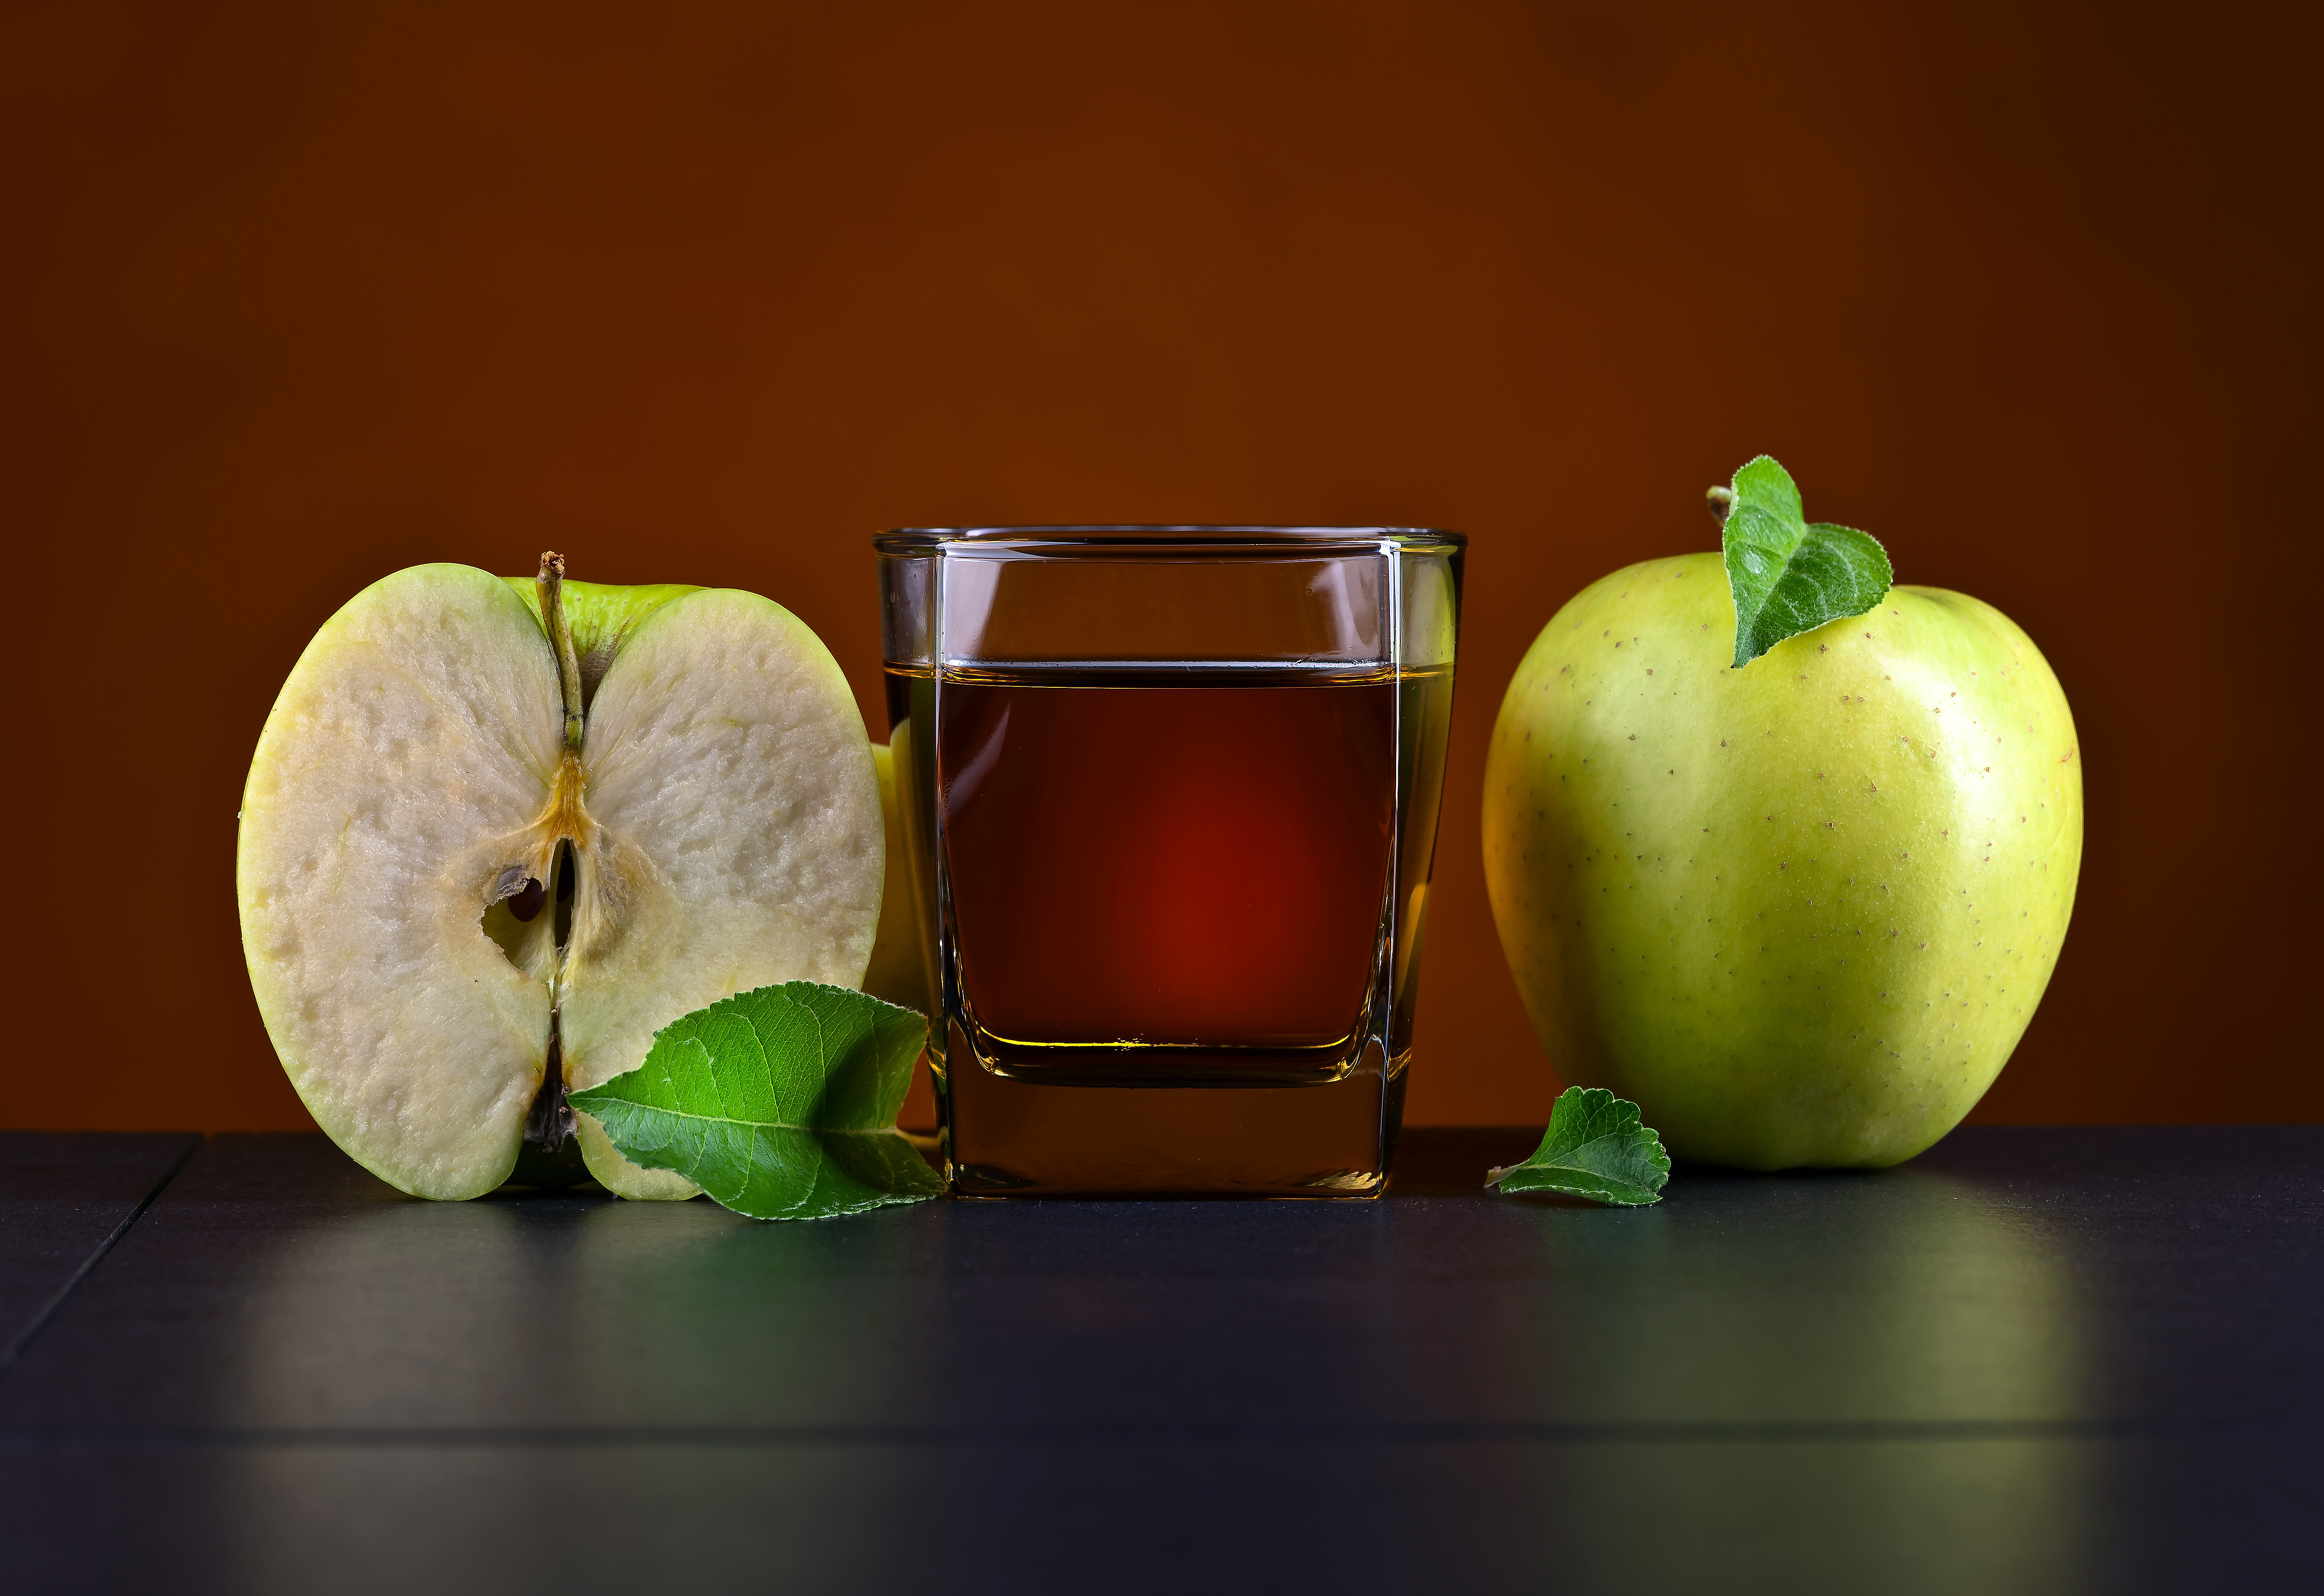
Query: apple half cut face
[{"x": 442, "y": 903}]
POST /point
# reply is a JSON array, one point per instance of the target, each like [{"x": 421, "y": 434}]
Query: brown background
[{"x": 299, "y": 295}]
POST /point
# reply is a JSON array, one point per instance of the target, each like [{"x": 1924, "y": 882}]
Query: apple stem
[
  {"x": 551, "y": 586},
  {"x": 1722, "y": 499}
]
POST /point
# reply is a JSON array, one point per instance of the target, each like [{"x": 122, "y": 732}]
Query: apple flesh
[
  {"x": 413, "y": 801},
  {"x": 1800, "y": 912}
]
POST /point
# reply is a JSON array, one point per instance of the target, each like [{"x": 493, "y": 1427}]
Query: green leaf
[
  {"x": 1786, "y": 575},
  {"x": 1594, "y": 1148},
  {"x": 779, "y": 1102}
]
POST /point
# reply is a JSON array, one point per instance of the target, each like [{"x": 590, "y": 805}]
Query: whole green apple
[{"x": 1800, "y": 910}]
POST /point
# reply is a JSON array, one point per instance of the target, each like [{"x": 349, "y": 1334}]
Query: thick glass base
[{"x": 1007, "y": 1137}]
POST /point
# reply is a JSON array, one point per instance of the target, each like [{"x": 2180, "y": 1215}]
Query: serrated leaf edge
[
  {"x": 1630, "y": 1121},
  {"x": 876, "y": 1200},
  {"x": 1741, "y": 658},
  {"x": 1807, "y": 527}
]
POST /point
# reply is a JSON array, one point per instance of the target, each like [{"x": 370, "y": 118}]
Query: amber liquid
[{"x": 1185, "y": 878}]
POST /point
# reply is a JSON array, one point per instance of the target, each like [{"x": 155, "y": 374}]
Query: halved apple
[{"x": 497, "y": 832}]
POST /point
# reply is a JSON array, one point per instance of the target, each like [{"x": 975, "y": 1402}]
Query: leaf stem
[{"x": 550, "y": 584}]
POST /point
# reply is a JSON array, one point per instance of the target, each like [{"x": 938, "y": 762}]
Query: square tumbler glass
[{"x": 1169, "y": 798}]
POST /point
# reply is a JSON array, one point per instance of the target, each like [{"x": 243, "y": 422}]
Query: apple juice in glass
[{"x": 1169, "y": 796}]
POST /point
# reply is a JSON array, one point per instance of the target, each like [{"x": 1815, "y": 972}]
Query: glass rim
[{"x": 1171, "y": 538}]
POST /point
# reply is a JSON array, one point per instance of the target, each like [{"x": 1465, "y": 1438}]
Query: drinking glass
[{"x": 1169, "y": 797}]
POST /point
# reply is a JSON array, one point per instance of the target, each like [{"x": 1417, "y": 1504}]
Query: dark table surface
[{"x": 2034, "y": 1359}]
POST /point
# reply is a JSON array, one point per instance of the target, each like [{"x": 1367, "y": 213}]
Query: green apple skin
[
  {"x": 1801, "y": 911},
  {"x": 600, "y": 618},
  {"x": 898, "y": 972}
]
